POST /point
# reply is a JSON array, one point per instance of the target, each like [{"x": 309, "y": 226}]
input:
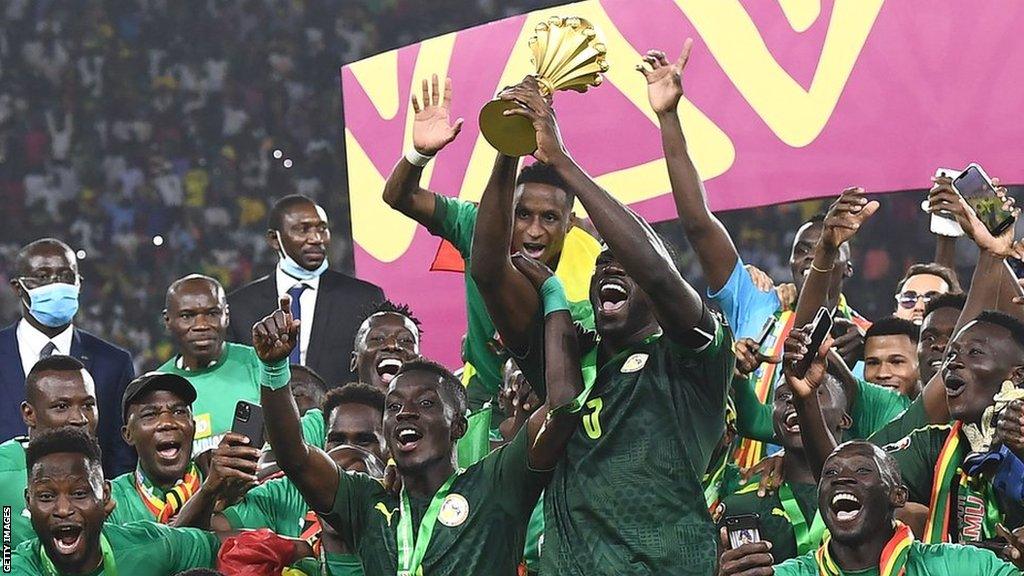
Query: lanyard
[
  {"x": 109, "y": 565},
  {"x": 806, "y": 539},
  {"x": 412, "y": 549}
]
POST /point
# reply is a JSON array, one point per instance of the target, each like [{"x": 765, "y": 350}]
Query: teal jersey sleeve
[
  {"x": 911, "y": 419},
  {"x": 455, "y": 221},
  {"x": 875, "y": 407},
  {"x": 314, "y": 430},
  {"x": 189, "y": 547}
]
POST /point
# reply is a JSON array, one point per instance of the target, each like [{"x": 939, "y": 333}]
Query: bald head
[
  {"x": 196, "y": 316},
  {"x": 887, "y": 467},
  {"x": 193, "y": 283},
  {"x": 50, "y": 249}
]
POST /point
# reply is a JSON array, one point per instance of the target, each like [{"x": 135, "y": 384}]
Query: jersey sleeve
[
  {"x": 745, "y": 307},
  {"x": 804, "y": 565},
  {"x": 753, "y": 417},
  {"x": 948, "y": 559},
  {"x": 911, "y": 419},
  {"x": 513, "y": 481},
  {"x": 915, "y": 455},
  {"x": 256, "y": 510},
  {"x": 454, "y": 220},
  {"x": 875, "y": 407},
  {"x": 355, "y": 491},
  {"x": 716, "y": 358},
  {"x": 186, "y": 547},
  {"x": 313, "y": 428}
]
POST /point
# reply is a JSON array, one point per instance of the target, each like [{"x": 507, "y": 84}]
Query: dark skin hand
[
  {"x": 232, "y": 474},
  {"x": 1010, "y": 427},
  {"x": 676, "y": 305},
  {"x": 432, "y": 130},
  {"x": 311, "y": 469},
  {"x": 753, "y": 559},
  {"x": 818, "y": 439},
  {"x": 749, "y": 357}
]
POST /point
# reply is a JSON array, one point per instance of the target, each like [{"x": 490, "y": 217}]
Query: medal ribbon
[
  {"x": 978, "y": 513},
  {"x": 750, "y": 451},
  {"x": 109, "y": 565},
  {"x": 806, "y": 539},
  {"x": 411, "y": 549},
  {"x": 892, "y": 562},
  {"x": 164, "y": 509}
]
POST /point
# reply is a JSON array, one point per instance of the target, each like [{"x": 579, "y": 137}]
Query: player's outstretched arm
[{"x": 818, "y": 439}]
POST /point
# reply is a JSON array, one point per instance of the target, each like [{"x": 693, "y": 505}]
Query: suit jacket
[
  {"x": 111, "y": 369},
  {"x": 342, "y": 303}
]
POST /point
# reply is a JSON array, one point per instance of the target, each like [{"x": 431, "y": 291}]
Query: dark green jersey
[
  {"x": 140, "y": 549},
  {"x": 482, "y": 527},
  {"x": 924, "y": 560},
  {"x": 13, "y": 480},
  {"x": 917, "y": 455},
  {"x": 627, "y": 498},
  {"x": 776, "y": 525}
]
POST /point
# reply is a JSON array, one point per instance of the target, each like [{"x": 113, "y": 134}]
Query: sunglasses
[{"x": 909, "y": 298}]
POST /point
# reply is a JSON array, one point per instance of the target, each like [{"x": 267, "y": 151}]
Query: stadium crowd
[{"x": 621, "y": 410}]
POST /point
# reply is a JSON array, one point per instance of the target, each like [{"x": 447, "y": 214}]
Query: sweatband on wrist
[
  {"x": 417, "y": 159},
  {"x": 275, "y": 376},
  {"x": 552, "y": 294}
]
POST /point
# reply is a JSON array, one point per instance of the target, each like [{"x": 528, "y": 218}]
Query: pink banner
[{"x": 785, "y": 101}]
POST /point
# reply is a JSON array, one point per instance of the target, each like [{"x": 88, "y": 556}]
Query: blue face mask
[
  {"x": 294, "y": 269},
  {"x": 54, "y": 305}
]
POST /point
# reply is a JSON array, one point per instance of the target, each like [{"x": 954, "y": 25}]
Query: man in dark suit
[
  {"x": 47, "y": 285},
  {"x": 330, "y": 305}
]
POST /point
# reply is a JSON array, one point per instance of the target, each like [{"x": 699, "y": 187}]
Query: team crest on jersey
[
  {"x": 634, "y": 363},
  {"x": 454, "y": 510}
]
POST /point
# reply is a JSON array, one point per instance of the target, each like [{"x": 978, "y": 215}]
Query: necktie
[
  {"x": 295, "y": 292},
  {"x": 47, "y": 350}
]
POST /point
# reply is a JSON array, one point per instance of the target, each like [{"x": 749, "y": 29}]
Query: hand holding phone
[
  {"x": 743, "y": 529},
  {"x": 974, "y": 185},
  {"x": 249, "y": 422},
  {"x": 820, "y": 328},
  {"x": 944, "y": 223}
]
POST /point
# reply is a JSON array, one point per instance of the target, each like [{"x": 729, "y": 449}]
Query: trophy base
[{"x": 510, "y": 135}]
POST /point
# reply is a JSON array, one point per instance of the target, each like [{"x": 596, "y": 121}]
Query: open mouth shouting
[
  {"x": 791, "y": 424},
  {"x": 387, "y": 369},
  {"x": 954, "y": 385},
  {"x": 612, "y": 295},
  {"x": 168, "y": 450},
  {"x": 407, "y": 437},
  {"x": 845, "y": 506},
  {"x": 534, "y": 250},
  {"x": 67, "y": 538}
]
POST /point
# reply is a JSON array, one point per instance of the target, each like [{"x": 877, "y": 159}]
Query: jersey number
[{"x": 591, "y": 422}]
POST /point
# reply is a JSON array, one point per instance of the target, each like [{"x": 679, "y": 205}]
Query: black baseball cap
[{"x": 157, "y": 381}]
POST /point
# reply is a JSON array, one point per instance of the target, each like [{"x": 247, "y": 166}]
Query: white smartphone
[{"x": 944, "y": 224}]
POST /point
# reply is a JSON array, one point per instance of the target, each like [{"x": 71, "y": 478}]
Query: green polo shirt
[
  {"x": 234, "y": 376},
  {"x": 140, "y": 549},
  {"x": 924, "y": 560}
]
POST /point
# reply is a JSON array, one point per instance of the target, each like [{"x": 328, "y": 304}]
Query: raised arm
[
  {"x": 818, "y": 439},
  {"x": 309, "y": 468},
  {"x": 644, "y": 257},
  {"x": 511, "y": 300},
  {"x": 707, "y": 235},
  {"x": 550, "y": 426},
  {"x": 431, "y": 131}
]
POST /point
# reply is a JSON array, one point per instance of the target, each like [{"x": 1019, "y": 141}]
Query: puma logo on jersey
[{"x": 384, "y": 510}]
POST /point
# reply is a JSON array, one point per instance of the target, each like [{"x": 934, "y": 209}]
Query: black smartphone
[
  {"x": 821, "y": 326},
  {"x": 743, "y": 529},
  {"x": 766, "y": 331},
  {"x": 249, "y": 421},
  {"x": 976, "y": 188}
]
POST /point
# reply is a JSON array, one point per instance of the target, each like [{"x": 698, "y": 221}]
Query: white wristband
[{"x": 417, "y": 159}]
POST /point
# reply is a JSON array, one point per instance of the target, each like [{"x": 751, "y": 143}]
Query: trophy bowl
[{"x": 568, "y": 54}]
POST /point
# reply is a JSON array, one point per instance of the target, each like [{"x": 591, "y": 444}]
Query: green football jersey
[
  {"x": 627, "y": 498},
  {"x": 482, "y": 527},
  {"x": 455, "y": 221},
  {"x": 776, "y": 526},
  {"x": 13, "y": 480},
  {"x": 911, "y": 419},
  {"x": 234, "y": 376},
  {"x": 923, "y": 560},
  {"x": 140, "y": 549},
  {"x": 917, "y": 454},
  {"x": 276, "y": 504},
  {"x": 130, "y": 507}
]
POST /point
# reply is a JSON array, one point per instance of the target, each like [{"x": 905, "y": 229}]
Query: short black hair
[
  {"x": 541, "y": 173},
  {"x": 893, "y": 326},
  {"x": 450, "y": 385},
  {"x": 65, "y": 439},
  {"x": 389, "y": 307},
  {"x": 1014, "y": 326},
  {"x": 54, "y": 363},
  {"x": 935, "y": 269},
  {"x": 317, "y": 379},
  {"x": 275, "y": 218},
  {"x": 947, "y": 300},
  {"x": 353, "y": 393}
]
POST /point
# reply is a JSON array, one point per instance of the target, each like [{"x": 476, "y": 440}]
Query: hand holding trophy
[{"x": 568, "y": 54}]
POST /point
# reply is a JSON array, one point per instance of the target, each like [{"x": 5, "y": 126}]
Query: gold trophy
[{"x": 568, "y": 54}]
